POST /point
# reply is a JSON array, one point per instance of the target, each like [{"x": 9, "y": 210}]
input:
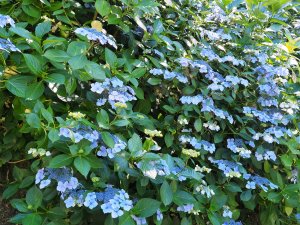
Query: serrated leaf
[
  {"x": 56, "y": 55},
  {"x": 82, "y": 165},
  {"x": 33, "y": 63},
  {"x": 34, "y": 197},
  {"x": 42, "y": 28},
  {"x": 102, "y": 7},
  {"x": 60, "y": 161},
  {"x": 166, "y": 193},
  {"x": 146, "y": 207}
]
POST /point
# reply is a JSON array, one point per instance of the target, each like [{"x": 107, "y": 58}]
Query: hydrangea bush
[{"x": 150, "y": 112}]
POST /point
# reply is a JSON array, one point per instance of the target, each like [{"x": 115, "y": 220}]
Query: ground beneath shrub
[{"x": 6, "y": 212}]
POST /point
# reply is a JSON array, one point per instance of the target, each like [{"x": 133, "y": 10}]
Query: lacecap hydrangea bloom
[
  {"x": 113, "y": 91},
  {"x": 95, "y": 35}
]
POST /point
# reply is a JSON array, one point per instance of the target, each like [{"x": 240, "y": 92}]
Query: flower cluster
[
  {"x": 113, "y": 91},
  {"x": 267, "y": 115},
  {"x": 94, "y": 35},
  {"x": 185, "y": 208},
  {"x": 153, "y": 133},
  {"x": 253, "y": 181},
  {"x": 5, "y": 19},
  {"x": 153, "y": 168},
  {"x": 238, "y": 146},
  {"x": 211, "y": 55},
  {"x": 212, "y": 126},
  {"x": 38, "y": 152},
  {"x": 118, "y": 204},
  {"x": 7, "y": 45},
  {"x": 204, "y": 189},
  {"x": 230, "y": 169},
  {"x": 73, "y": 193},
  {"x": 207, "y": 106},
  {"x": 139, "y": 220},
  {"x": 82, "y": 132},
  {"x": 272, "y": 134},
  {"x": 232, "y": 222},
  {"x": 111, "y": 152},
  {"x": 227, "y": 212},
  {"x": 198, "y": 144},
  {"x": 169, "y": 75},
  {"x": 265, "y": 155}
]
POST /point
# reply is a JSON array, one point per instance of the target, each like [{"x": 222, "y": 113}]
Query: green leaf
[
  {"x": 31, "y": 10},
  {"x": 287, "y": 160},
  {"x": 103, "y": 119},
  {"x": 10, "y": 191},
  {"x": 33, "y": 63},
  {"x": 53, "y": 135},
  {"x": 213, "y": 218},
  {"x": 27, "y": 182},
  {"x": 34, "y": 91},
  {"x": 21, "y": 32},
  {"x": 95, "y": 70},
  {"x": 47, "y": 115},
  {"x": 198, "y": 125},
  {"x": 169, "y": 138},
  {"x": 146, "y": 207},
  {"x": 218, "y": 201},
  {"x": 77, "y": 48},
  {"x": 102, "y": 7},
  {"x": 42, "y": 28},
  {"x": 32, "y": 219},
  {"x": 82, "y": 165},
  {"x": 110, "y": 58},
  {"x": 126, "y": 219},
  {"x": 166, "y": 193},
  {"x": 107, "y": 138},
  {"x": 17, "y": 85},
  {"x": 55, "y": 78},
  {"x": 60, "y": 161},
  {"x": 182, "y": 197},
  {"x": 19, "y": 204},
  {"x": 56, "y": 55},
  {"x": 120, "y": 123},
  {"x": 33, "y": 120},
  {"x": 233, "y": 187},
  {"x": 246, "y": 196},
  {"x": 34, "y": 197},
  {"x": 135, "y": 143},
  {"x": 78, "y": 62}
]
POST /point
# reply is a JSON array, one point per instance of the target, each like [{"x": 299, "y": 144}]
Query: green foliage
[{"x": 46, "y": 87}]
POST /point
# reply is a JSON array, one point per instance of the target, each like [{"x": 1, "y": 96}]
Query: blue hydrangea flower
[
  {"x": 169, "y": 75},
  {"x": 227, "y": 212},
  {"x": 139, "y": 220},
  {"x": 185, "y": 208},
  {"x": 70, "y": 202},
  {"x": 90, "y": 200},
  {"x": 5, "y": 20},
  {"x": 238, "y": 146},
  {"x": 230, "y": 169},
  {"x": 159, "y": 215},
  {"x": 40, "y": 175},
  {"x": 232, "y": 222},
  {"x": 44, "y": 183},
  {"x": 8, "y": 46},
  {"x": 154, "y": 168},
  {"x": 94, "y": 35},
  {"x": 117, "y": 204},
  {"x": 198, "y": 144},
  {"x": 261, "y": 182},
  {"x": 113, "y": 91}
]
